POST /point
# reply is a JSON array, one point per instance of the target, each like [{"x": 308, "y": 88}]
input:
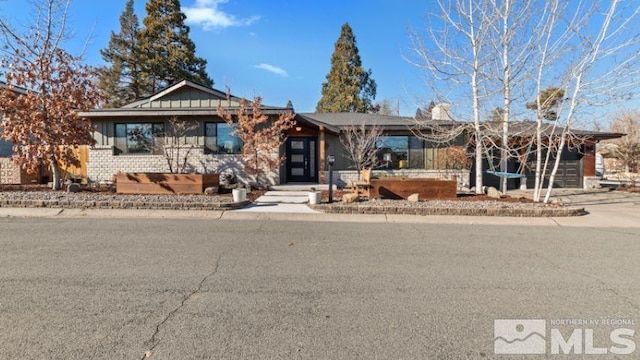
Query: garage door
[{"x": 569, "y": 175}]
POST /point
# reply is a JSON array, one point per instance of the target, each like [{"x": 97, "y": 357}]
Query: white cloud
[
  {"x": 274, "y": 69},
  {"x": 206, "y": 13}
]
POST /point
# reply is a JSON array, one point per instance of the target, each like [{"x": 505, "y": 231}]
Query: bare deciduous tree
[
  {"x": 173, "y": 144},
  {"x": 599, "y": 64},
  {"x": 627, "y": 149},
  {"x": 503, "y": 53},
  {"x": 454, "y": 57},
  {"x": 360, "y": 143}
]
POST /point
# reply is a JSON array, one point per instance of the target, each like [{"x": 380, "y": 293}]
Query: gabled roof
[
  {"x": 181, "y": 86},
  {"x": 185, "y": 98}
]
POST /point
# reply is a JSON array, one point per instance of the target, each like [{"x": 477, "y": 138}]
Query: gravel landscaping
[
  {"x": 468, "y": 207},
  {"x": 40, "y": 197},
  {"x": 109, "y": 200}
]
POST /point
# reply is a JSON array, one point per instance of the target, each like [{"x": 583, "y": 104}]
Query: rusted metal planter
[
  {"x": 163, "y": 183},
  {"x": 402, "y": 188}
]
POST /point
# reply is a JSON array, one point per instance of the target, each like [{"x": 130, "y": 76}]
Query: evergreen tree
[
  {"x": 425, "y": 112},
  {"x": 550, "y": 100},
  {"x": 289, "y": 105},
  {"x": 168, "y": 52},
  {"x": 122, "y": 80},
  {"x": 349, "y": 88}
]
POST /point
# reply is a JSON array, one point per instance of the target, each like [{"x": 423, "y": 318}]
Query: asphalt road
[{"x": 203, "y": 289}]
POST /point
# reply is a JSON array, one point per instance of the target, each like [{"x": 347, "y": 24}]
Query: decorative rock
[
  {"x": 211, "y": 190},
  {"x": 493, "y": 193},
  {"x": 414, "y": 198},
  {"x": 73, "y": 188},
  {"x": 349, "y": 198}
]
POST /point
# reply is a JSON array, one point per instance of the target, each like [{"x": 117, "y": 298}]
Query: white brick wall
[
  {"x": 342, "y": 177},
  {"x": 103, "y": 165}
]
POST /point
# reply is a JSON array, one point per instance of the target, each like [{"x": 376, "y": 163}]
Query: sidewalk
[{"x": 606, "y": 209}]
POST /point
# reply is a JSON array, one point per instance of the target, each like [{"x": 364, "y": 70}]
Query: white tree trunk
[{"x": 506, "y": 82}]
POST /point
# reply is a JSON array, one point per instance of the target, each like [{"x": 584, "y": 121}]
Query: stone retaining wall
[
  {"x": 107, "y": 204},
  {"x": 424, "y": 211}
]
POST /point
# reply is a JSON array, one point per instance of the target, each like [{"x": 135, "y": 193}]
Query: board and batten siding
[{"x": 188, "y": 99}]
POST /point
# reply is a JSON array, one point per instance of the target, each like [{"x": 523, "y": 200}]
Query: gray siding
[{"x": 188, "y": 98}]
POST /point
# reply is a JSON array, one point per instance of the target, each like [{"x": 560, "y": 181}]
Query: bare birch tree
[
  {"x": 513, "y": 51},
  {"x": 598, "y": 64},
  {"x": 454, "y": 59}
]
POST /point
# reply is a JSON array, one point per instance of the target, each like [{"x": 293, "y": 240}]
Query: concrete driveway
[{"x": 606, "y": 208}]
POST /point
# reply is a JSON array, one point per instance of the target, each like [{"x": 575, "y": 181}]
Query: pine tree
[
  {"x": 349, "y": 88},
  {"x": 424, "y": 113},
  {"x": 168, "y": 52},
  {"x": 122, "y": 80}
]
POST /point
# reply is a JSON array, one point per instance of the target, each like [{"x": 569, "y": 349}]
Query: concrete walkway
[{"x": 284, "y": 197}]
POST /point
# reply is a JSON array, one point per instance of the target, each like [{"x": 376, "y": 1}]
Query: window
[
  {"x": 220, "y": 140},
  {"x": 400, "y": 152},
  {"x": 6, "y": 148},
  {"x": 138, "y": 138}
]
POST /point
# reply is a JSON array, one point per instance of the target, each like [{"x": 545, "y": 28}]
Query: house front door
[{"x": 301, "y": 160}]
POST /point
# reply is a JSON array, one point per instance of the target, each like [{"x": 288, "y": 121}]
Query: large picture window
[
  {"x": 220, "y": 140},
  {"x": 138, "y": 138},
  {"x": 400, "y": 152}
]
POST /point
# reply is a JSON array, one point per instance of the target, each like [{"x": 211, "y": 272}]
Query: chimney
[{"x": 441, "y": 112}]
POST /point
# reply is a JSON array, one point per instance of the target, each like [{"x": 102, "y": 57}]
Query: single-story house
[
  {"x": 309, "y": 142},
  {"x": 216, "y": 149}
]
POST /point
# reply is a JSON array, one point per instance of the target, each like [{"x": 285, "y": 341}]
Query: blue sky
[{"x": 278, "y": 49}]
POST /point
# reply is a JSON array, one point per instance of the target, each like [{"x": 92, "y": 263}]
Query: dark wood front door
[{"x": 301, "y": 160}]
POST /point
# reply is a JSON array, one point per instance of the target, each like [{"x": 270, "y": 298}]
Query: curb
[
  {"x": 503, "y": 212},
  {"x": 121, "y": 205}
]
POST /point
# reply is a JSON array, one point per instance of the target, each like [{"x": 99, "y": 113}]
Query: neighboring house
[
  {"x": 10, "y": 172},
  {"x": 315, "y": 136}
]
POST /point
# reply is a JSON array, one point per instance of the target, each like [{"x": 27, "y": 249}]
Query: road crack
[
  {"x": 154, "y": 338},
  {"x": 603, "y": 283}
]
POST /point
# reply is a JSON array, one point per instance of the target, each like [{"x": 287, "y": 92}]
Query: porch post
[{"x": 322, "y": 155}]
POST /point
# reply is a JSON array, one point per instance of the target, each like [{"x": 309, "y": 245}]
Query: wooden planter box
[
  {"x": 402, "y": 188},
  {"x": 161, "y": 183}
]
